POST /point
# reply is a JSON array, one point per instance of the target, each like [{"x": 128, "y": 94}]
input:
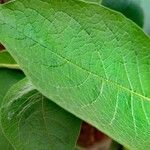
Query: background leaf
[
  {"x": 145, "y": 4},
  {"x": 31, "y": 121},
  {"x": 7, "y": 79},
  {"x": 130, "y": 8},
  {"x": 90, "y": 60}
]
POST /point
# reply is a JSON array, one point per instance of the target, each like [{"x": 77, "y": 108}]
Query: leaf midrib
[
  {"x": 45, "y": 122},
  {"x": 67, "y": 60}
]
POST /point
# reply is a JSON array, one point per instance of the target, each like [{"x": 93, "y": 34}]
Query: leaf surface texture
[
  {"x": 90, "y": 60},
  {"x": 7, "y": 79},
  {"x": 31, "y": 121}
]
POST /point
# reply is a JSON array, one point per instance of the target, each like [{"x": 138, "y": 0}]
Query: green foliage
[
  {"x": 130, "y": 8},
  {"x": 59, "y": 129},
  {"x": 88, "y": 59},
  {"x": 7, "y": 79},
  {"x": 31, "y": 121}
]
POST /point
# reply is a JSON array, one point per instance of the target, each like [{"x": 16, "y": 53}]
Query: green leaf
[
  {"x": 6, "y": 61},
  {"x": 90, "y": 60},
  {"x": 7, "y": 79},
  {"x": 31, "y": 121}
]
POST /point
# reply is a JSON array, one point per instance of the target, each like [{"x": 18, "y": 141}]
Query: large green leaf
[
  {"x": 6, "y": 61},
  {"x": 7, "y": 79},
  {"x": 31, "y": 121},
  {"x": 88, "y": 59}
]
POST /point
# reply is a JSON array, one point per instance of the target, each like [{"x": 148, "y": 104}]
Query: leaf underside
[
  {"x": 90, "y": 60},
  {"x": 31, "y": 121},
  {"x": 7, "y": 79}
]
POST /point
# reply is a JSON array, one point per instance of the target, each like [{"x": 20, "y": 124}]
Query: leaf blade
[
  {"x": 7, "y": 79},
  {"x": 31, "y": 121},
  {"x": 91, "y": 54}
]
